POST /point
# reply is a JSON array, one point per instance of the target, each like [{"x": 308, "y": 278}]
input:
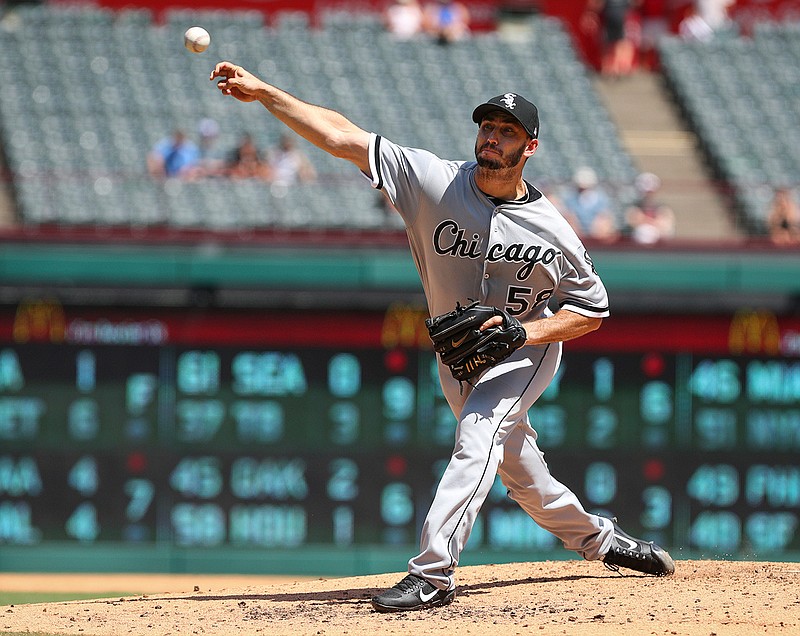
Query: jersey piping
[
  {"x": 488, "y": 458},
  {"x": 375, "y": 164},
  {"x": 585, "y": 310},
  {"x": 531, "y": 195}
]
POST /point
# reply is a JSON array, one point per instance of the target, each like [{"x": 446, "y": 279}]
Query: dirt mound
[{"x": 703, "y": 598}]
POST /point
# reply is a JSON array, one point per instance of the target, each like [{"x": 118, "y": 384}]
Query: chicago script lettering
[{"x": 448, "y": 240}]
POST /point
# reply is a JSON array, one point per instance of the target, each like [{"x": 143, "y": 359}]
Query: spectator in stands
[
  {"x": 287, "y": 165},
  {"x": 211, "y": 162},
  {"x": 715, "y": 13},
  {"x": 649, "y": 220},
  {"x": 610, "y": 20},
  {"x": 404, "y": 19},
  {"x": 173, "y": 156},
  {"x": 447, "y": 21},
  {"x": 694, "y": 28},
  {"x": 246, "y": 162},
  {"x": 588, "y": 207},
  {"x": 783, "y": 218},
  {"x": 654, "y": 21}
]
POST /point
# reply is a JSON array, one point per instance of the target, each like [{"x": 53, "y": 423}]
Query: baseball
[{"x": 196, "y": 39}]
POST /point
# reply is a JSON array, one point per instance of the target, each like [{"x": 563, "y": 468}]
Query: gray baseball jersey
[{"x": 515, "y": 255}]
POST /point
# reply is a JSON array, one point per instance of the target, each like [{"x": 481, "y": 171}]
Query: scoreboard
[{"x": 206, "y": 428}]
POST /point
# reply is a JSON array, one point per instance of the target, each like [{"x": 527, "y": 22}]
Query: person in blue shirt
[
  {"x": 588, "y": 207},
  {"x": 447, "y": 21},
  {"x": 174, "y": 156}
]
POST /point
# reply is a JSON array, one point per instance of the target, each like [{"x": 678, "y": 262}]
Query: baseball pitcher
[{"x": 493, "y": 255}]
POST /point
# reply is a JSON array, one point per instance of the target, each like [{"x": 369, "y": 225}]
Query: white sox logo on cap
[{"x": 509, "y": 100}]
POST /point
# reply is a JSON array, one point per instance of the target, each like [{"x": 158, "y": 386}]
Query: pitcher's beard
[
  {"x": 501, "y": 163},
  {"x": 489, "y": 164}
]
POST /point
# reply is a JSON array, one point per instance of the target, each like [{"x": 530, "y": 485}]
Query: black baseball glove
[{"x": 466, "y": 349}]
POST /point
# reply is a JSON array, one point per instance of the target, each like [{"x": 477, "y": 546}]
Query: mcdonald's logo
[
  {"x": 754, "y": 332},
  {"x": 39, "y": 320},
  {"x": 404, "y": 326}
]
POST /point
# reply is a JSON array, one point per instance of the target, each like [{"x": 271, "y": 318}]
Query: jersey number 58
[{"x": 518, "y": 299}]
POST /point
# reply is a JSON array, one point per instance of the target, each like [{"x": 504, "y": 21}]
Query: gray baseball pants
[{"x": 494, "y": 436}]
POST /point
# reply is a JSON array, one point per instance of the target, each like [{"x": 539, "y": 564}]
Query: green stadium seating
[
  {"x": 104, "y": 86},
  {"x": 741, "y": 96}
]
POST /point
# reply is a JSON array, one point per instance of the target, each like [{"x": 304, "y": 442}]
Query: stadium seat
[
  {"x": 737, "y": 93},
  {"x": 82, "y": 130}
]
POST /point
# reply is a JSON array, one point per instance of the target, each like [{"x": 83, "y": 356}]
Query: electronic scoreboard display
[{"x": 269, "y": 429}]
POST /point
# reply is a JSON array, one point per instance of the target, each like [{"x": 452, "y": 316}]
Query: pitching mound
[{"x": 578, "y": 598}]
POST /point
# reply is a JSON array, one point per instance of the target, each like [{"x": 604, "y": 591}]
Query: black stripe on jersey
[
  {"x": 531, "y": 194},
  {"x": 593, "y": 309},
  {"x": 447, "y": 571},
  {"x": 379, "y": 184}
]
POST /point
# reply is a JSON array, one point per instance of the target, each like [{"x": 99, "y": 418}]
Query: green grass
[
  {"x": 27, "y": 634},
  {"x": 21, "y": 598}
]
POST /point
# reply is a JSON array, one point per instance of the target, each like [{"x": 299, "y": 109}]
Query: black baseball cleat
[
  {"x": 635, "y": 554},
  {"x": 412, "y": 593}
]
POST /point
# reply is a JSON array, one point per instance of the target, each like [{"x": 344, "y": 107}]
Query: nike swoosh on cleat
[
  {"x": 427, "y": 597},
  {"x": 632, "y": 545}
]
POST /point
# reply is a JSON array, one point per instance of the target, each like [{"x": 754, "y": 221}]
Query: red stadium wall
[
  {"x": 747, "y": 12},
  {"x": 484, "y": 13},
  {"x": 744, "y": 12}
]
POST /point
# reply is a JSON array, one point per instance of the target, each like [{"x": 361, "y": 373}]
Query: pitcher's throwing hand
[{"x": 236, "y": 82}]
